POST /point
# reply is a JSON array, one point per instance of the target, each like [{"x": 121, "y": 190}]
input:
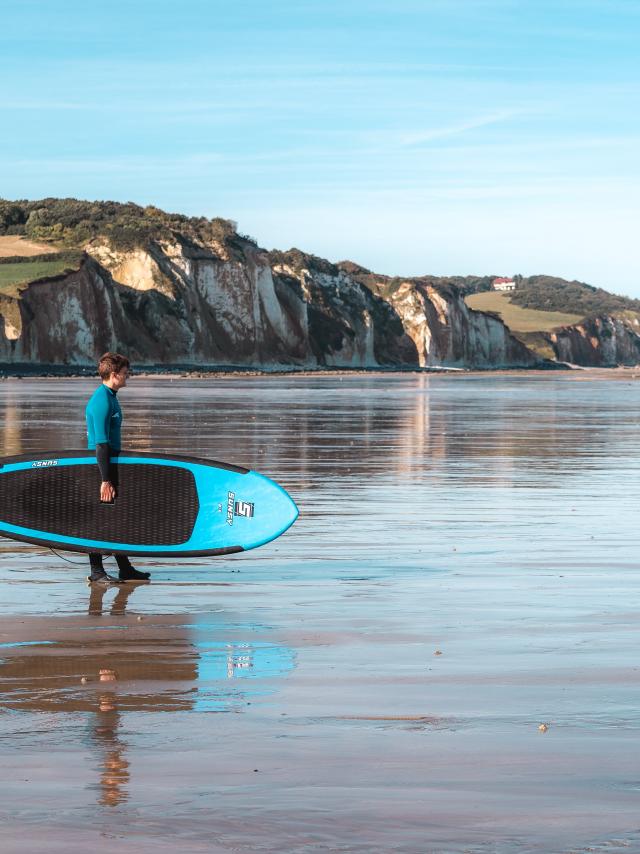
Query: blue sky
[{"x": 442, "y": 136}]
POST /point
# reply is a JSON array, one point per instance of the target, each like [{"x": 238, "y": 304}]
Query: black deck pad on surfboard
[{"x": 165, "y": 505}]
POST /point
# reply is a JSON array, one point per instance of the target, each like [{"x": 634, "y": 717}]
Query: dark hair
[{"x": 111, "y": 363}]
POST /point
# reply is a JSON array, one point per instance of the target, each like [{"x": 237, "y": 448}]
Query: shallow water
[{"x": 464, "y": 569}]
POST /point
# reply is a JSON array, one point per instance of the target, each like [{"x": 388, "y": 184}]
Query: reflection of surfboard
[{"x": 165, "y": 506}]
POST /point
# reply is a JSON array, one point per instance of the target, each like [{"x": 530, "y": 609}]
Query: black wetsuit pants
[{"x": 103, "y": 453}]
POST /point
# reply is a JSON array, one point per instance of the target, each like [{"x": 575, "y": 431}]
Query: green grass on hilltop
[
  {"x": 17, "y": 274},
  {"x": 520, "y": 319}
]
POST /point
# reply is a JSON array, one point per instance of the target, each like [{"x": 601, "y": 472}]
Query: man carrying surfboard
[{"x": 104, "y": 424}]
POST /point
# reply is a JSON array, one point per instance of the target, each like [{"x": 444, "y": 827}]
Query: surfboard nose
[
  {"x": 275, "y": 511},
  {"x": 283, "y": 507}
]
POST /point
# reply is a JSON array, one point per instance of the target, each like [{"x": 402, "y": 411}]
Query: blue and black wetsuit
[{"x": 104, "y": 428}]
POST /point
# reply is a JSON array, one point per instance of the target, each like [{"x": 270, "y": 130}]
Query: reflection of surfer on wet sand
[
  {"x": 101, "y": 667},
  {"x": 119, "y": 603},
  {"x": 114, "y": 770}
]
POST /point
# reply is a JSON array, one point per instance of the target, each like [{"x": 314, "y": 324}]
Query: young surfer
[{"x": 104, "y": 424}]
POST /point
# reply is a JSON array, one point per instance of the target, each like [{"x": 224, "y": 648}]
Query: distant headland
[{"x": 79, "y": 278}]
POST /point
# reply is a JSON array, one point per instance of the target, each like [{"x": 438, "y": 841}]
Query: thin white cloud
[{"x": 414, "y": 138}]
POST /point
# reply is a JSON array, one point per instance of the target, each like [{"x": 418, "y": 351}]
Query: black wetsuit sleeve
[{"x": 102, "y": 457}]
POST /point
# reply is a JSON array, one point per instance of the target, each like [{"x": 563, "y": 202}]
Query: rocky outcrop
[
  {"x": 358, "y": 319},
  {"x": 598, "y": 342},
  {"x": 178, "y": 302},
  {"x": 447, "y": 332}
]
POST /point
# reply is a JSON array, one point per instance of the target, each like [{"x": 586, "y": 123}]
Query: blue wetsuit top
[{"x": 104, "y": 419}]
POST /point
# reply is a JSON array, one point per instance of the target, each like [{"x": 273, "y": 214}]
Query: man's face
[{"x": 119, "y": 380}]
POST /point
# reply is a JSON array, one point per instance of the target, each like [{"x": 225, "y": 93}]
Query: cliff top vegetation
[
  {"x": 298, "y": 260},
  {"x": 73, "y": 223},
  {"x": 549, "y": 293},
  {"x": 537, "y": 293},
  {"x": 70, "y": 224},
  {"x": 386, "y": 286}
]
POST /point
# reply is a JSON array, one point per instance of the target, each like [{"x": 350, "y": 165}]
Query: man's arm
[
  {"x": 102, "y": 458},
  {"x": 107, "y": 490},
  {"x": 101, "y": 415}
]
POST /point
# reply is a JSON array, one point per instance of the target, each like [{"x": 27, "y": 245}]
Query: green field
[
  {"x": 15, "y": 275},
  {"x": 520, "y": 319}
]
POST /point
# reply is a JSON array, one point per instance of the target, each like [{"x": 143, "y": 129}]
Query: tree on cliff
[{"x": 73, "y": 222}]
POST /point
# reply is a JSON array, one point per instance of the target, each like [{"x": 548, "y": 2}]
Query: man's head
[{"x": 114, "y": 370}]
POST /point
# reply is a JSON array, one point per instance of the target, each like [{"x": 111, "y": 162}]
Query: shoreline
[
  {"x": 172, "y": 372},
  {"x": 190, "y": 371}
]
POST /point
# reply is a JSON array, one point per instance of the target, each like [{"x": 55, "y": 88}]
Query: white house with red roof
[{"x": 503, "y": 284}]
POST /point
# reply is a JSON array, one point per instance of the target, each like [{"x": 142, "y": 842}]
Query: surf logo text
[{"x": 231, "y": 497}]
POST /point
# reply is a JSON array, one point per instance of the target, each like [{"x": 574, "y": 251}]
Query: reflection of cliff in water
[
  {"x": 108, "y": 664},
  {"x": 490, "y": 432},
  {"x": 376, "y": 425},
  {"x": 311, "y": 428}
]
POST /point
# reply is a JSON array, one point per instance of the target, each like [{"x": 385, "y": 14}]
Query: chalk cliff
[
  {"x": 177, "y": 301},
  {"x": 598, "y": 342}
]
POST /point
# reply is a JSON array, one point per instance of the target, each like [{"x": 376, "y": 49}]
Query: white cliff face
[
  {"x": 348, "y": 301},
  {"x": 413, "y": 324},
  {"x": 11, "y": 332},
  {"x": 447, "y": 333},
  {"x": 73, "y": 331},
  {"x": 11, "y": 317},
  {"x": 598, "y": 341},
  {"x": 178, "y": 303},
  {"x": 410, "y": 307},
  {"x": 227, "y": 292},
  {"x": 238, "y": 309},
  {"x": 137, "y": 268}
]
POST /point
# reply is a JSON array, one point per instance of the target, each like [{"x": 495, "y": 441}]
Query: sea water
[{"x": 441, "y": 654}]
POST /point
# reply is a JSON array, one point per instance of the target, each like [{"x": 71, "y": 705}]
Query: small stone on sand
[{"x": 107, "y": 675}]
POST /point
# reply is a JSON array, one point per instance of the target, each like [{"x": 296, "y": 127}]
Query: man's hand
[{"x": 107, "y": 491}]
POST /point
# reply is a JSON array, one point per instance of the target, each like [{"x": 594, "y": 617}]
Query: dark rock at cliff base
[{"x": 598, "y": 342}]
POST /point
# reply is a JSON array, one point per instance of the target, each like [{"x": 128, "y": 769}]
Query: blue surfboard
[{"x": 165, "y": 506}]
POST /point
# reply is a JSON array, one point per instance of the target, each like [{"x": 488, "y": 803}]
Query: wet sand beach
[{"x": 442, "y": 655}]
